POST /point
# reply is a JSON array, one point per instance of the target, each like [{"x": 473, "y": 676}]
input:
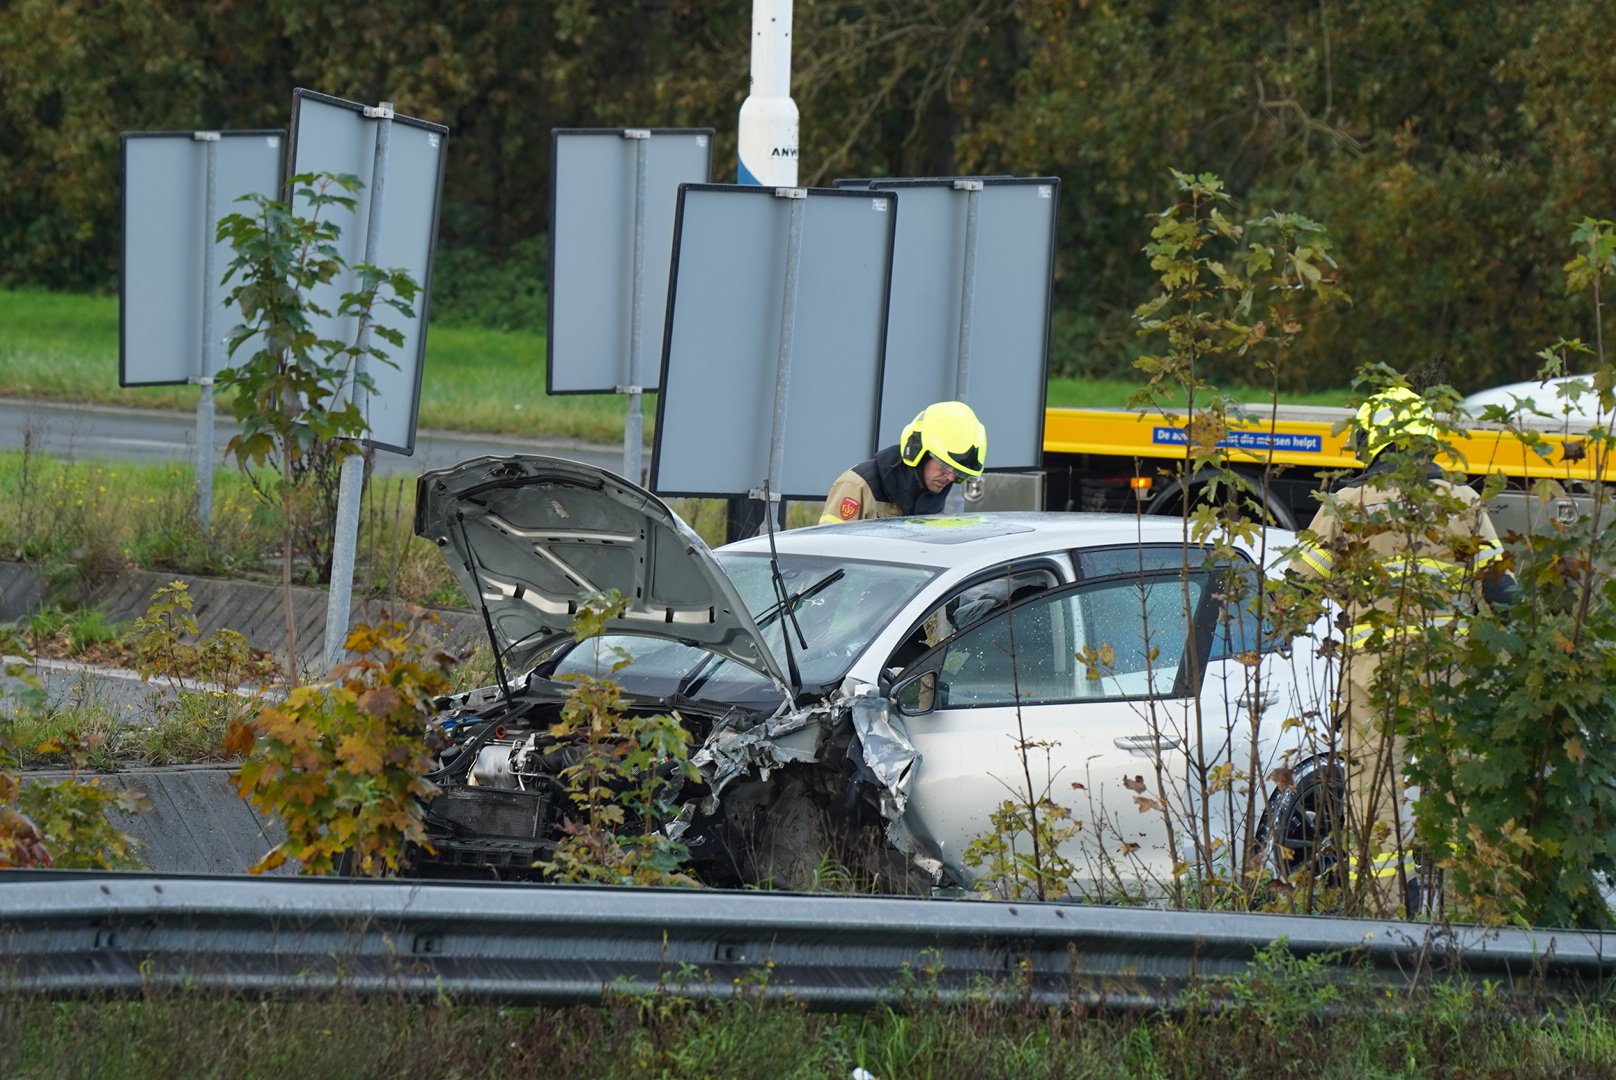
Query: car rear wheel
[{"x": 1304, "y": 826}]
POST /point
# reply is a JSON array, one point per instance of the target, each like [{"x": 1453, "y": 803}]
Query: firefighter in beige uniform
[
  {"x": 1425, "y": 574},
  {"x": 946, "y": 441}
]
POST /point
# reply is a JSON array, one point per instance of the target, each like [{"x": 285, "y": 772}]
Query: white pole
[{"x": 767, "y": 133}]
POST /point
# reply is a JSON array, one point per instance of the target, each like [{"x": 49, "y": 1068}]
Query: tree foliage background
[{"x": 1448, "y": 147}]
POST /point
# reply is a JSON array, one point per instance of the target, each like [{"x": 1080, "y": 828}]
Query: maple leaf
[
  {"x": 358, "y": 755},
  {"x": 276, "y": 856},
  {"x": 239, "y": 738},
  {"x": 381, "y": 701}
]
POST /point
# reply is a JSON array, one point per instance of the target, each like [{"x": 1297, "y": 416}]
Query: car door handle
[
  {"x": 1245, "y": 702},
  {"x": 1146, "y": 743}
]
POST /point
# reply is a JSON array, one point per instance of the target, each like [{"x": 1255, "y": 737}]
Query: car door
[
  {"x": 1080, "y": 695},
  {"x": 1264, "y": 702},
  {"x": 1260, "y": 707}
]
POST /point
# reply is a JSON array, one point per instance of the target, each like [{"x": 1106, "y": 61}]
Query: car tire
[
  {"x": 787, "y": 845},
  {"x": 1303, "y": 826}
]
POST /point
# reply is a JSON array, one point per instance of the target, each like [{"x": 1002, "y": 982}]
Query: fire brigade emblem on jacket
[{"x": 849, "y": 509}]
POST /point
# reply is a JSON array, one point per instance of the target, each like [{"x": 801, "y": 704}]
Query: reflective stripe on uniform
[
  {"x": 1360, "y": 632},
  {"x": 1441, "y": 569},
  {"x": 1321, "y": 561},
  {"x": 1387, "y": 864},
  {"x": 1487, "y": 555}
]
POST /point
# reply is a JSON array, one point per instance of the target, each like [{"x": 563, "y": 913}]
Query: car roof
[{"x": 945, "y": 540}]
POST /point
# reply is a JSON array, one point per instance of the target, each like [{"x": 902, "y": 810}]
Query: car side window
[
  {"x": 1236, "y": 579},
  {"x": 1236, "y": 632},
  {"x": 1113, "y": 639},
  {"x": 986, "y": 595}
]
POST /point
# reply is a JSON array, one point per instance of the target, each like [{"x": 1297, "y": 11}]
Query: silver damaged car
[{"x": 870, "y": 695}]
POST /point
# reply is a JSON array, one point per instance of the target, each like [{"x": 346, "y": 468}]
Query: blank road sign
[
  {"x": 330, "y": 135},
  {"x": 163, "y": 289},
  {"x": 1005, "y": 332},
  {"x": 728, "y": 329},
  {"x": 596, "y": 196}
]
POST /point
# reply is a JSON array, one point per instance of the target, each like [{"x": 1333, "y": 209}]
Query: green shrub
[{"x": 497, "y": 292}]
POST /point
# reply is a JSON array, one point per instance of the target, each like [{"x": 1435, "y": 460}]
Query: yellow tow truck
[{"x": 1132, "y": 460}]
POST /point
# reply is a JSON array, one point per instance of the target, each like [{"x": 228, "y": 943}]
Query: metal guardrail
[{"x": 71, "y": 933}]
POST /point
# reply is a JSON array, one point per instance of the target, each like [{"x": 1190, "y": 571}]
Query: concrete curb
[
  {"x": 252, "y": 609},
  {"x": 196, "y": 823}
]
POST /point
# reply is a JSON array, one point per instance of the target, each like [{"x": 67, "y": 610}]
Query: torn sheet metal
[
  {"x": 889, "y": 755},
  {"x": 730, "y": 751}
]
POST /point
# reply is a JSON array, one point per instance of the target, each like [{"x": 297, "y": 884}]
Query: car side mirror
[{"x": 918, "y": 696}]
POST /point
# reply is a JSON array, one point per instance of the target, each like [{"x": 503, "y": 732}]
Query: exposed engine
[
  {"x": 498, "y": 808},
  {"x": 502, "y": 802}
]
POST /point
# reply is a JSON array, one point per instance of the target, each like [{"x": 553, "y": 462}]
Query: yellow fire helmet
[
  {"x": 1395, "y": 416},
  {"x": 950, "y": 432}
]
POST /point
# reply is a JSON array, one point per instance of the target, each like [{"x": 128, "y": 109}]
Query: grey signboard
[
  {"x": 771, "y": 360},
  {"x": 614, "y": 194},
  {"x": 969, "y": 317},
  {"x": 172, "y": 320},
  {"x": 330, "y": 135},
  {"x": 870, "y": 181}
]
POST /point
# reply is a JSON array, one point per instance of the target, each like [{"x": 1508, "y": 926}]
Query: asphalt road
[{"x": 121, "y": 434}]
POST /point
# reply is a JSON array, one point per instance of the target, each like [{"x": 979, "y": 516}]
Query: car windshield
[{"x": 839, "y": 605}]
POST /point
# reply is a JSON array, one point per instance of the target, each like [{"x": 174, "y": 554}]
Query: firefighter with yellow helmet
[
  {"x": 945, "y": 442},
  {"x": 1405, "y": 553}
]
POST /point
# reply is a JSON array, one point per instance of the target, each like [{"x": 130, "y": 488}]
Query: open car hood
[{"x": 530, "y": 537}]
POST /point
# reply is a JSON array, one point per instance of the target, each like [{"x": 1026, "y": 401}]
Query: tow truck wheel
[{"x": 1252, "y": 507}]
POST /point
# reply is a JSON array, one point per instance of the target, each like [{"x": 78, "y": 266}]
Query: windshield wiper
[
  {"x": 794, "y": 601},
  {"x": 785, "y": 601},
  {"x": 698, "y": 674}
]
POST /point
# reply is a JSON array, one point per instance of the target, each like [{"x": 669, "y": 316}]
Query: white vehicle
[
  {"x": 1573, "y": 410},
  {"x": 896, "y": 680}
]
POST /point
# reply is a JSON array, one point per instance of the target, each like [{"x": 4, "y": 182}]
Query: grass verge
[
  {"x": 81, "y": 521},
  {"x": 168, "y": 1034},
  {"x": 64, "y": 347}
]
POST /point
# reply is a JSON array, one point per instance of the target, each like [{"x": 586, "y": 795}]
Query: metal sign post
[
  {"x": 633, "y": 420},
  {"x": 210, "y": 345},
  {"x": 962, "y": 368},
  {"x": 766, "y": 152},
  {"x": 351, "y": 484},
  {"x": 171, "y": 301},
  {"x": 788, "y": 324},
  {"x": 954, "y": 502}
]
